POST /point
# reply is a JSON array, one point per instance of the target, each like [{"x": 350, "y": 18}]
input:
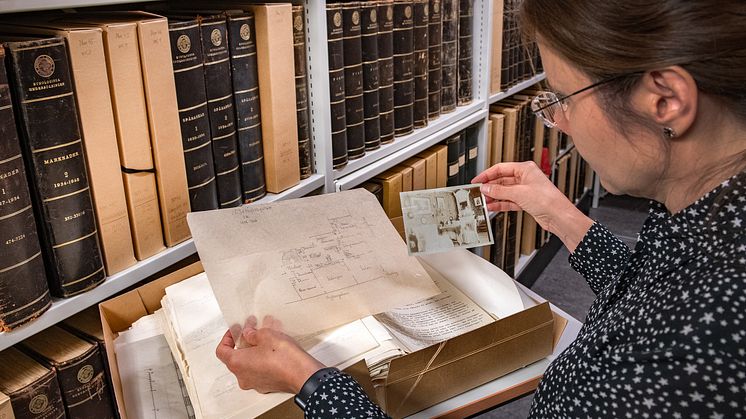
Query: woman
[{"x": 653, "y": 94}]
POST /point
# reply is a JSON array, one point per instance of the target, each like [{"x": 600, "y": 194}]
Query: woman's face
[{"x": 630, "y": 164}]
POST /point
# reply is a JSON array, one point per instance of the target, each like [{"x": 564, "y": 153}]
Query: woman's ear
[{"x": 668, "y": 97}]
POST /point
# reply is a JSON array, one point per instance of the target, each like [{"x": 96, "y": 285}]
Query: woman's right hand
[{"x": 523, "y": 186}]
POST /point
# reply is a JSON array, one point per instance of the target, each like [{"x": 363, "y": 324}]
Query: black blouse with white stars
[{"x": 666, "y": 335}]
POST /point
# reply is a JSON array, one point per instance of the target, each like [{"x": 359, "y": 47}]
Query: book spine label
[
  {"x": 54, "y": 153},
  {"x": 435, "y": 26},
  {"x": 472, "y": 153},
  {"x": 191, "y": 97},
  {"x": 221, "y": 111},
  {"x": 403, "y": 67},
  {"x": 353, "y": 59},
  {"x": 24, "y": 294},
  {"x": 453, "y": 160},
  {"x": 449, "y": 56},
  {"x": 83, "y": 386},
  {"x": 465, "y": 53},
  {"x": 421, "y": 46},
  {"x": 386, "y": 70},
  {"x": 39, "y": 400},
  {"x": 305, "y": 153},
  {"x": 335, "y": 44},
  {"x": 242, "y": 38},
  {"x": 462, "y": 158},
  {"x": 369, "y": 43}
]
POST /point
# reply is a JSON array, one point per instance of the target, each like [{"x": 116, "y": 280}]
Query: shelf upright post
[{"x": 318, "y": 89}]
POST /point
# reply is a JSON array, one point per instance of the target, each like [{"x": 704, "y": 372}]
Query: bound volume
[
  {"x": 48, "y": 122},
  {"x": 24, "y": 294},
  {"x": 434, "y": 36},
  {"x": 386, "y": 70},
  {"x": 421, "y": 46},
  {"x": 301, "y": 93},
  {"x": 369, "y": 43},
  {"x": 353, "y": 61},
  {"x": 403, "y": 67},
  {"x": 465, "y": 53},
  {"x": 449, "y": 56},
  {"x": 453, "y": 160},
  {"x": 472, "y": 151},
  {"x": 462, "y": 158},
  {"x": 80, "y": 372},
  {"x": 242, "y": 44},
  {"x": 334, "y": 33},
  {"x": 191, "y": 96},
  {"x": 220, "y": 106},
  {"x": 32, "y": 388}
]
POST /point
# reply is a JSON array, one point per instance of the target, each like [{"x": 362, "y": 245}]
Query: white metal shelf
[
  {"x": 516, "y": 88},
  {"x": 63, "y": 308},
  {"x": 405, "y": 147}
]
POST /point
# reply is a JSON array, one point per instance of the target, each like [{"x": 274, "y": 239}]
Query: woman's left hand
[{"x": 271, "y": 361}]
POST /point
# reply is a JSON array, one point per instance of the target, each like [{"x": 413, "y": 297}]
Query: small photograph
[{"x": 437, "y": 220}]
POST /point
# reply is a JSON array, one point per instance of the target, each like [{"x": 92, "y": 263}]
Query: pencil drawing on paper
[{"x": 333, "y": 261}]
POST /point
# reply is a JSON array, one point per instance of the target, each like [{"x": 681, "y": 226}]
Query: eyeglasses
[{"x": 546, "y": 105}]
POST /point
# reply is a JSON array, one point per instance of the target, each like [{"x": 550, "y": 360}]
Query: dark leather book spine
[
  {"x": 506, "y": 48},
  {"x": 386, "y": 70},
  {"x": 48, "y": 121},
  {"x": 83, "y": 385},
  {"x": 472, "y": 152},
  {"x": 435, "y": 27},
  {"x": 353, "y": 59},
  {"x": 449, "y": 56},
  {"x": 221, "y": 110},
  {"x": 305, "y": 154},
  {"x": 242, "y": 42},
  {"x": 465, "y": 52},
  {"x": 369, "y": 43},
  {"x": 498, "y": 230},
  {"x": 421, "y": 46},
  {"x": 453, "y": 159},
  {"x": 24, "y": 294},
  {"x": 335, "y": 42},
  {"x": 510, "y": 238},
  {"x": 462, "y": 158},
  {"x": 403, "y": 67},
  {"x": 191, "y": 97},
  {"x": 39, "y": 400}
]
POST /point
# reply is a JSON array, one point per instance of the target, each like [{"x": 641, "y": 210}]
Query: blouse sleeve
[
  {"x": 341, "y": 397},
  {"x": 600, "y": 257}
]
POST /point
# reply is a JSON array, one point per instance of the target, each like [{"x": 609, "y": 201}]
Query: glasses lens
[{"x": 546, "y": 105}]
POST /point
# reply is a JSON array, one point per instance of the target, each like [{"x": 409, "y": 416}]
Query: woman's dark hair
[{"x": 605, "y": 38}]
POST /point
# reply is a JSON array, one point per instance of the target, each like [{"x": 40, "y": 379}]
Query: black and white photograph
[{"x": 438, "y": 220}]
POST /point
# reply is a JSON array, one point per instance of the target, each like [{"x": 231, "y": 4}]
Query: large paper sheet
[
  {"x": 489, "y": 286},
  {"x": 313, "y": 263}
]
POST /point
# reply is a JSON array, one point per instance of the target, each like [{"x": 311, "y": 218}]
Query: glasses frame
[{"x": 559, "y": 99}]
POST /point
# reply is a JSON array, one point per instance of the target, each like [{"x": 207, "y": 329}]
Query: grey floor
[{"x": 623, "y": 216}]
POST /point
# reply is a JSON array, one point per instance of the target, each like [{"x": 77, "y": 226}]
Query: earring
[{"x": 668, "y": 132}]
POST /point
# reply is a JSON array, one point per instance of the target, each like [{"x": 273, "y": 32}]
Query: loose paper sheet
[
  {"x": 485, "y": 283},
  {"x": 313, "y": 263},
  {"x": 194, "y": 328}
]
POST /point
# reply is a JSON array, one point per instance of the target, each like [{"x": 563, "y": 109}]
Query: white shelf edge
[
  {"x": 523, "y": 262},
  {"x": 63, "y": 308},
  {"x": 15, "y": 6},
  {"x": 409, "y": 149},
  {"x": 515, "y": 89},
  {"x": 433, "y": 127}
]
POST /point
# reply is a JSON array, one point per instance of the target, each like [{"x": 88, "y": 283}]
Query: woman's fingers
[
  {"x": 225, "y": 347},
  {"x": 500, "y": 206},
  {"x": 500, "y": 170}
]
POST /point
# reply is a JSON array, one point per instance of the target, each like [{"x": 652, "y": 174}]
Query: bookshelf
[{"x": 326, "y": 179}]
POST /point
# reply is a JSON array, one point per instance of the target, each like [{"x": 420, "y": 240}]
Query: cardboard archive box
[
  {"x": 415, "y": 381},
  {"x": 120, "y": 312}
]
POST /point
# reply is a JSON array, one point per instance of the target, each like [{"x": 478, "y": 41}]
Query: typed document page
[{"x": 313, "y": 263}]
